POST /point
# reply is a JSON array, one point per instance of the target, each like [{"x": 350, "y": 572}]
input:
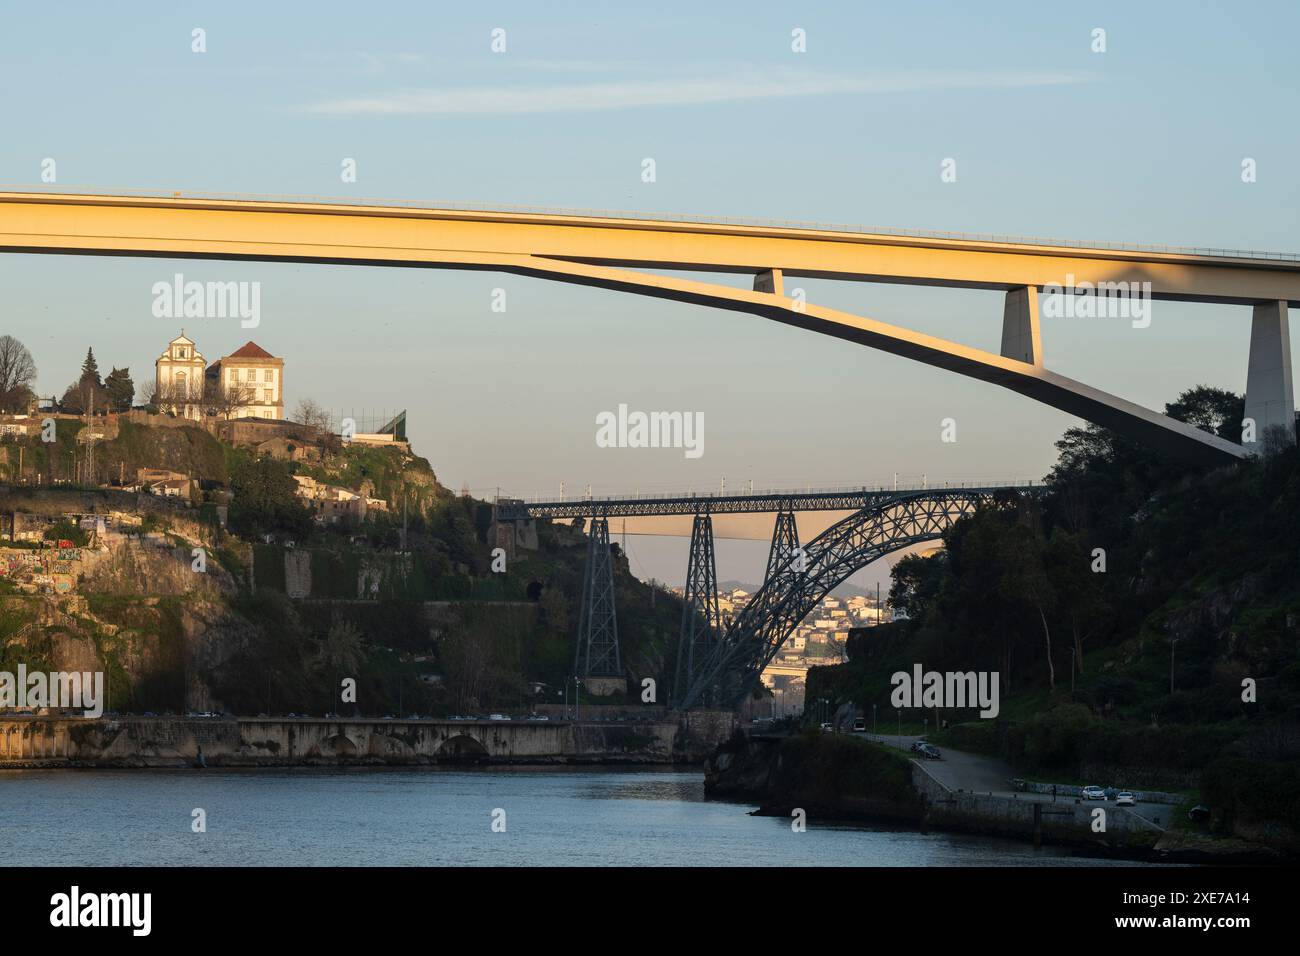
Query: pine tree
[
  {"x": 90, "y": 368},
  {"x": 120, "y": 388}
]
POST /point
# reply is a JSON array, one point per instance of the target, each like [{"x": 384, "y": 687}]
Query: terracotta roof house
[{"x": 252, "y": 379}]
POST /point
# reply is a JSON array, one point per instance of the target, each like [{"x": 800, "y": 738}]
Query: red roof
[{"x": 250, "y": 350}]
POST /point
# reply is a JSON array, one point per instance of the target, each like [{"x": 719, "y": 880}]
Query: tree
[
  {"x": 90, "y": 368},
  {"x": 914, "y": 590},
  {"x": 147, "y": 393},
  {"x": 308, "y": 413},
  {"x": 265, "y": 497},
  {"x": 226, "y": 400},
  {"x": 1078, "y": 587},
  {"x": 17, "y": 373},
  {"x": 120, "y": 389},
  {"x": 342, "y": 652},
  {"x": 86, "y": 395},
  {"x": 1214, "y": 410},
  {"x": 1025, "y": 581}
]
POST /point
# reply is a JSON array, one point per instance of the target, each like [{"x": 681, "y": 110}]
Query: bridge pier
[
  {"x": 1270, "y": 394},
  {"x": 1022, "y": 337},
  {"x": 596, "y": 655},
  {"x": 785, "y": 557},
  {"x": 701, "y": 621}
]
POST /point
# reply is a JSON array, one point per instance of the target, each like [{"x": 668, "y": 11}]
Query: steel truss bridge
[{"x": 720, "y": 663}]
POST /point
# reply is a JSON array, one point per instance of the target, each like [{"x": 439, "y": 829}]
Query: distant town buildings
[{"x": 819, "y": 639}]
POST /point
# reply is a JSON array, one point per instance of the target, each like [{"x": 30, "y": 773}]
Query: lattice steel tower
[
  {"x": 597, "y": 651},
  {"x": 785, "y": 557},
  {"x": 701, "y": 622}
]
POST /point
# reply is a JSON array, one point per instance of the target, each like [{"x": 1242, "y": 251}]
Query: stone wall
[
  {"x": 242, "y": 742},
  {"x": 1061, "y": 822}
]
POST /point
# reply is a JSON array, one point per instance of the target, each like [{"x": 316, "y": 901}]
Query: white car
[
  {"x": 1125, "y": 799},
  {"x": 1093, "y": 793}
]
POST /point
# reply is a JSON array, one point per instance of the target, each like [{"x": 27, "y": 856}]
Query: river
[{"x": 441, "y": 817}]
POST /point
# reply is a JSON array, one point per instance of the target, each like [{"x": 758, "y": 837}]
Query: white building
[
  {"x": 254, "y": 378},
  {"x": 179, "y": 375}
]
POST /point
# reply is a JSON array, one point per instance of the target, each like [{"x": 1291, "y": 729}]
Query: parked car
[
  {"x": 859, "y": 724},
  {"x": 1199, "y": 813},
  {"x": 826, "y": 727},
  {"x": 931, "y": 752},
  {"x": 1125, "y": 799},
  {"x": 1093, "y": 793},
  {"x": 918, "y": 746},
  {"x": 497, "y": 717}
]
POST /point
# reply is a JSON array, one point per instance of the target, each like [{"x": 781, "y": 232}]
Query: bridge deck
[
  {"x": 454, "y": 235},
  {"x": 849, "y": 499}
]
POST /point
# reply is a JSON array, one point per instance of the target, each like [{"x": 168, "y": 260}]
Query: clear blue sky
[{"x": 1142, "y": 143}]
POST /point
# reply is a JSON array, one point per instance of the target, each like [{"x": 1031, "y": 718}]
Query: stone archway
[{"x": 461, "y": 748}]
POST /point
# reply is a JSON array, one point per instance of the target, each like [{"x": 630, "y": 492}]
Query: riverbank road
[
  {"x": 980, "y": 774},
  {"x": 957, "y": 770}
]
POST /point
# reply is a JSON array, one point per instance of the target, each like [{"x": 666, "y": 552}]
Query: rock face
[
  {"x": 740, "y": 768},
  {"x": 827, "y": 775}
]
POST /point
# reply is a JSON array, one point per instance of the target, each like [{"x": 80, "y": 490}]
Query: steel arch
[{"x": 786, "y": 599}]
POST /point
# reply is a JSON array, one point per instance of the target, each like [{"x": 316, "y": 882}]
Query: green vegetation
[
  {"x": 65, "y": 530},
  {"x": 407, "y": 596},
  {"x": 835, "y": 766},
  {"x": 1124, "y": 609},
  {"x": 265, "y": 497},
  {"x": 187, "y": 450}
]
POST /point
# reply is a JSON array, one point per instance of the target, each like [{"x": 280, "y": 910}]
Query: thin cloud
[{"x": 676, "y": 91}]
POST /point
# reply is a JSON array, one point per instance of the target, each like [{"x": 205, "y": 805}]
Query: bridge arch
[
  {"x": 461, "y": 746},
  {"x": 608, "y": 252},
  {"x": 784, "y": 600},
  {"x": 338, "y": 745}
]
